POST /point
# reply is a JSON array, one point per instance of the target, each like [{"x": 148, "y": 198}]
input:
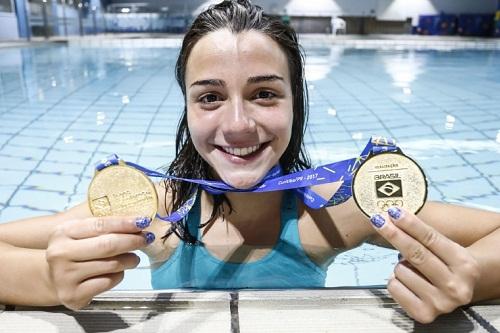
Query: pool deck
[
  {"x": 318, "y": 310},
  {"x": 378, "y": 41}
]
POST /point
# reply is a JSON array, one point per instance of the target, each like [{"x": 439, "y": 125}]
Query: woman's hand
[
  {"x": 436, "y": 276},
  {"x": 89, "y": 256}
]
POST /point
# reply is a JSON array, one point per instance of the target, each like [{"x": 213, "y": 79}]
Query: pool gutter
[
  {"x": 376, "y": 41},
  {"x": 316, "y": 310}
]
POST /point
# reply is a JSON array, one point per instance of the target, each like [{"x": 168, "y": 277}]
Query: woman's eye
[
  {"x": 265, "y": 95},
  {"x": 209, "y": 98}
]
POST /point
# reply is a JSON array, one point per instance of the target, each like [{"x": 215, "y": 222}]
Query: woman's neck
[{"x": 249, "y": 209}]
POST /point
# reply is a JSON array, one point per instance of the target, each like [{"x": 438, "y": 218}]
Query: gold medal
[
  {"x": 389, "y": 179},
  {"x": 121, "y": 190}
]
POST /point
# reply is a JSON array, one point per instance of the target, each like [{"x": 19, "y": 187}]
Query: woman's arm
[
  {"x": 463, "y": 225},
  {"x": 485, "y": 251},
  {"x": 478, "y": 231},
  {"x": 34, "y": 233},
  {"x": 475, "y": 229},
  {"x": 69, "y": 257},
  {"x": 83, "y": 257},
  {"x": 25, "y": 278}
]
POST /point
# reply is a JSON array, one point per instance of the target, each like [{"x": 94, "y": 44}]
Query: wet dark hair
[{"x": 236, "y": 16}]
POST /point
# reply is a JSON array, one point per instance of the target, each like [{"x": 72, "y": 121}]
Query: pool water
[{"x": 64, "y": 108}]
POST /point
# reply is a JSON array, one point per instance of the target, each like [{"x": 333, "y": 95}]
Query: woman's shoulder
[{"x": 326, "y": 232}]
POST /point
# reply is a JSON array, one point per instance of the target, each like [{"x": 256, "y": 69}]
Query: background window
[{"x": 6, "y": 6}]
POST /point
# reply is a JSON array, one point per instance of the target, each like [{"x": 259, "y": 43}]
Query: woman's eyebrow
[
  {"x": 209, "y": 82},
  {"x": 251, "y": 80},
  {"x": 264, "y": 78}
]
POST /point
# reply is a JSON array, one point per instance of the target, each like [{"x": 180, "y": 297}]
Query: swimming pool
[{"x": 64, "y": 108}]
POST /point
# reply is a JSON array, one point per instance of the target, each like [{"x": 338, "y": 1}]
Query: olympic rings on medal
[{"x": 384, "y": 205}]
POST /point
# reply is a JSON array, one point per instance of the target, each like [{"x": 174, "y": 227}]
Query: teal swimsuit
[{"x": 285, "y": 266}]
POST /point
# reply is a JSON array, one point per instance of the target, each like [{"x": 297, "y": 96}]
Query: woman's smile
[
  {"x": 242, "y": 155},
  {"x": 241, "y": 152}
]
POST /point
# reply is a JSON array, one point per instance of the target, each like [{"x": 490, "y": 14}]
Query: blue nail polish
[
  {"x": 150, "y": 237},
  {"x": 394, "y": 212},
  {"x": 400, "y": 256},
  {"x": 377, "y": 220},
  {"x": 143, "y": 222}
]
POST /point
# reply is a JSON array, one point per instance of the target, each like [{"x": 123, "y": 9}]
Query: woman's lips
[{"x": 242, "y": 154}]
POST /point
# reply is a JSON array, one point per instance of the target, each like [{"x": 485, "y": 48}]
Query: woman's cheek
[
  {"x": 196, "y": 128},
  {"x": 284, "y": 125},
  {"x": 199, "y": 137}
]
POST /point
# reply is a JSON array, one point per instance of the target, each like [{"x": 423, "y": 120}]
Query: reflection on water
[
  {"x": 450, "y": 122},
  {"x": 37, "y": 73},
  {"x": 423, "y": 146},
  {"x": 404, "y": 68},
  {"x": 321, "y": 61}
]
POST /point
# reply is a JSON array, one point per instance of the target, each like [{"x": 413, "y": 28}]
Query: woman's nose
[{"x": 238, "y": 119}]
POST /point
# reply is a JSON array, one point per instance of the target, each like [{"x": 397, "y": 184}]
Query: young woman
[{"x": 241, "y": 73}]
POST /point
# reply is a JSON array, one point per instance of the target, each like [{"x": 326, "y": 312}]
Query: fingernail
[
  {"x": 142, "y": 222},
  {"x": 400, "y": 256},
  {"x": 394, "y": 212},
  {"x": 377, "y": 220},
  {"x": 150, "y": 237}
]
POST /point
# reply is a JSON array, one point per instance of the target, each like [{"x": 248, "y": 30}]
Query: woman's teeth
[{"x": 241, "y": 151}]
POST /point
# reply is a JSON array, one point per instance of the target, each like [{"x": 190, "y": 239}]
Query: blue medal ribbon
[{"x": 274, "y": 180}]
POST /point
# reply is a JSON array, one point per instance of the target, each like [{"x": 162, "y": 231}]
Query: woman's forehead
[{"x": 222, "y": 52}]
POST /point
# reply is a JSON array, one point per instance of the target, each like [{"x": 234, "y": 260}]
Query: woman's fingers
[
  {"x": 429, "y": 237},
  {"x": 412, "y": 304},
  {"x": 460, "y": 263},
  {"x": 83, "y": 293},
  {"x": 106, "y": 246},
  {"x": 438, "y": 272},
  {"x": 93, "y": 277},
  {"x": 96, "y": 238},
  {"x": 89, "y": 256},
  {"x": 413, "y": 250},
  {"x": 96, "y": 226},
  {"x": 415, "y": 281},
  {"x": 435, "y": 299},
  {"x": 104, "y": 266}
]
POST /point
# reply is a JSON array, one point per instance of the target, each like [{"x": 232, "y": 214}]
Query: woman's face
[{"x": 239, "y": 104}]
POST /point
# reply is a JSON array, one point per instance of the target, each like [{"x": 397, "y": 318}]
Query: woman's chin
[{"x": 242, "y": 183}]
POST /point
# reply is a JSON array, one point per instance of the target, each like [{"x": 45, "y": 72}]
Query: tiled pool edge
[{"x": 329, "y": 309}]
